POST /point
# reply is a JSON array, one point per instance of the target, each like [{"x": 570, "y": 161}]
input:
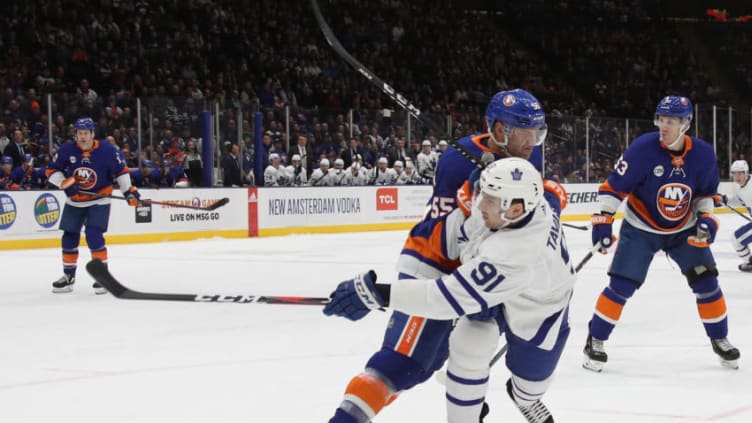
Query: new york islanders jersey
[
  {"x": 527, "y": 268},
  {"x": 425, "y": 251},
  {"x": 95, "y": 170},
  {"x": 663, "y": 189}
]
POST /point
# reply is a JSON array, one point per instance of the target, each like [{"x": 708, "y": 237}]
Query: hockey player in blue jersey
[
  {"x": 513, "y": 252},
  {"x": 415, "y": 347},
  {"x": 668, "y": 179},
  {"x": 87, "y": 166}
]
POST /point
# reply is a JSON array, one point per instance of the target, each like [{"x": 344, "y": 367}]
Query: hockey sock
[
  {"x": 609, "y": 307},
  {"x": 365, "y": 396},
  {"x": 70, "y": 252},
  {"x": 95, "y": 239},
  {"x": 711, "y": 306}
]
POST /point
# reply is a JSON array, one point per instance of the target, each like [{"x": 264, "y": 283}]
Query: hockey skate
[
  {"x": 746, "y": 266},
  {"x": 536, "y": 413},
  {"x": 595, "y": 355},
  {"x": 727, "y": 353},
  {"x": 64, "y": 284},
  {"x": 99, "y": 289}
]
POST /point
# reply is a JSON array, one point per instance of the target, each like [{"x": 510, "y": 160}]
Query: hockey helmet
[
  {"x": 740, "y": 166},
  {"x": 516, "y": 109},
  {"x": 511, "y": 179}
]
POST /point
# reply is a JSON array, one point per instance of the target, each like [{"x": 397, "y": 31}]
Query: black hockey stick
[
  {"x": 211, "y": 207},
  {"x": 747, "y": 218},
  {"x": 569, "y": 225},
  {"x": 98, "y": 270},
  {"x": 385, "y": 88}
]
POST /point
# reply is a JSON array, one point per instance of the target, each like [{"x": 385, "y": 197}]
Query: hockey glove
[
  {"x": 720, "y": 200},
  {"x": 602, "y": 231},
  {"x": 707, "y": 228},
  {"x": 464, "y": 196},
  {"x": 354, "y": 298},
  {"x": 133, "y": 197},
  {"x": 70, "y": 186},
  {"x": 555, "y": 194}
]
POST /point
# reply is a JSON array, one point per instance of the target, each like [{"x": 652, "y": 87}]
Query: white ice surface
[{"x": 83, "y": 358}]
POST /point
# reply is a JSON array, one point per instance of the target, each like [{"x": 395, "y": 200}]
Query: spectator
[{"x": 231, "y": 168}]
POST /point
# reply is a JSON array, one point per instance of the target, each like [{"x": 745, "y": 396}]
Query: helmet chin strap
[
  {"x": 502, "y": 145},
  {"x": 678, "y": 138}
]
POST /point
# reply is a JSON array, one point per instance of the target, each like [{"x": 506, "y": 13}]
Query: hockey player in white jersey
[
  {"x": 338, "y": 173},
  {"x": 355, "y": 176},
  {"x": 275, "y": 175},
  {"x": 513, "y": 254},
  {"x": 296, "y": 172},
  {"x": 322, "y": 177},
  {"x": 742, "y": 198},
  {"x": 409, "y": 176},
  {"x": 427, "y": 160},
  {"x": 381, "y": 174}
]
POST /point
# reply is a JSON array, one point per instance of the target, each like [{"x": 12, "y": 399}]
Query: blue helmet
[
  {"x": 84, "y": 124},
  {"x": 27, "y": 157},
  {"x": 676, "y": 106},
  {"x": 516, "y": 108},
  {"x": 147, "y": 163}
]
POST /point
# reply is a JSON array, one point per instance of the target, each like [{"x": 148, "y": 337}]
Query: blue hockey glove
[
  {"x": 354, "y": 298},
  {"x": 70, "y": 186},
  {"x": 133, "y": 197},
  {"x": 707, "y": 228},
  {"x": 602, "y": 231}
]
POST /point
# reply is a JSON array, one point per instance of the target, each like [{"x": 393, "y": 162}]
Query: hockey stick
[
  {"x": 747, "y": 218},
  {"x": 217, "y": 204},
  {"x": 580, "y": 227},
  {"x": 385, "y": 88},
  {"x": 98, "y": 270}
]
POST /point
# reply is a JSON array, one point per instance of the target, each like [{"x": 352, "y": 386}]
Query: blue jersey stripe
[
  {"x": 473, "y": 293},
  {"x": 450, "y": 299}
]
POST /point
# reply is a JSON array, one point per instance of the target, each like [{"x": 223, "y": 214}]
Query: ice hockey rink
[{"x": 83, "y": 358}]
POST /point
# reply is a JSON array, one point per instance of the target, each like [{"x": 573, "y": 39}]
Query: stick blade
[
  {"x": 98, "y": 270},
  {"x": 221, "y": 202}
]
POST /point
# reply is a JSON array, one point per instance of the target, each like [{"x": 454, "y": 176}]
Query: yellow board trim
[
  {"x": 126, "y": 239},
  {"x": 190, "y": 236}
]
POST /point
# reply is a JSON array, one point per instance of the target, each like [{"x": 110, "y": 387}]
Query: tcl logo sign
[{"x": 386, "y": 199}]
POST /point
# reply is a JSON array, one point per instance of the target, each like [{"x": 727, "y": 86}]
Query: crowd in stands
[{"x": 100, "y": 58}]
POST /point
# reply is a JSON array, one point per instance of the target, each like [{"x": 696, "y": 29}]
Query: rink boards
[{"x": 30, "y": 219}]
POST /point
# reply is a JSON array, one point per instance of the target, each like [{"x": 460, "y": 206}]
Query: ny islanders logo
[
  {"x": 672, "y": 201},
  {"x": 86, "y": 177}
]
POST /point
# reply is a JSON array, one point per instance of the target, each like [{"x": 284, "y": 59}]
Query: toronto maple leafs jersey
[
  {"x": 95, "y": 170},
  {"x": 425, "y": 251},
  {"x": 664, "y": 190},
  {"x": 742, "y": 195},
  {"x": 527, "y": 269}
]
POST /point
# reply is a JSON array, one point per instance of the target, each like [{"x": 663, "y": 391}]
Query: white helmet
[
  {"x": 296, "y": 157},
  {"x": 324, "y": 162},
  {"x": 740, "y": 166},
  {"x": 339, "y": 163},
  {"x": 397, "y": 163},
  {"x": 512, "y": 179},
  {"x": 426, "y": 142},
  {"x": 273, "y": 156}
]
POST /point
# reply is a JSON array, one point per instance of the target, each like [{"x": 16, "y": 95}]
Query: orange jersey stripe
[
  {"x": 431, "y": 248},
  {"x": 371, "y": 390},
  {"x": 609, "y": 307},
  {"x": 478, "y": 141},
  {"x": 712, "y": 310},
  {"x": 410, "y": 335},
  {"x": 605, "y": 186},
  {"x": 639, "y": 208}
]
